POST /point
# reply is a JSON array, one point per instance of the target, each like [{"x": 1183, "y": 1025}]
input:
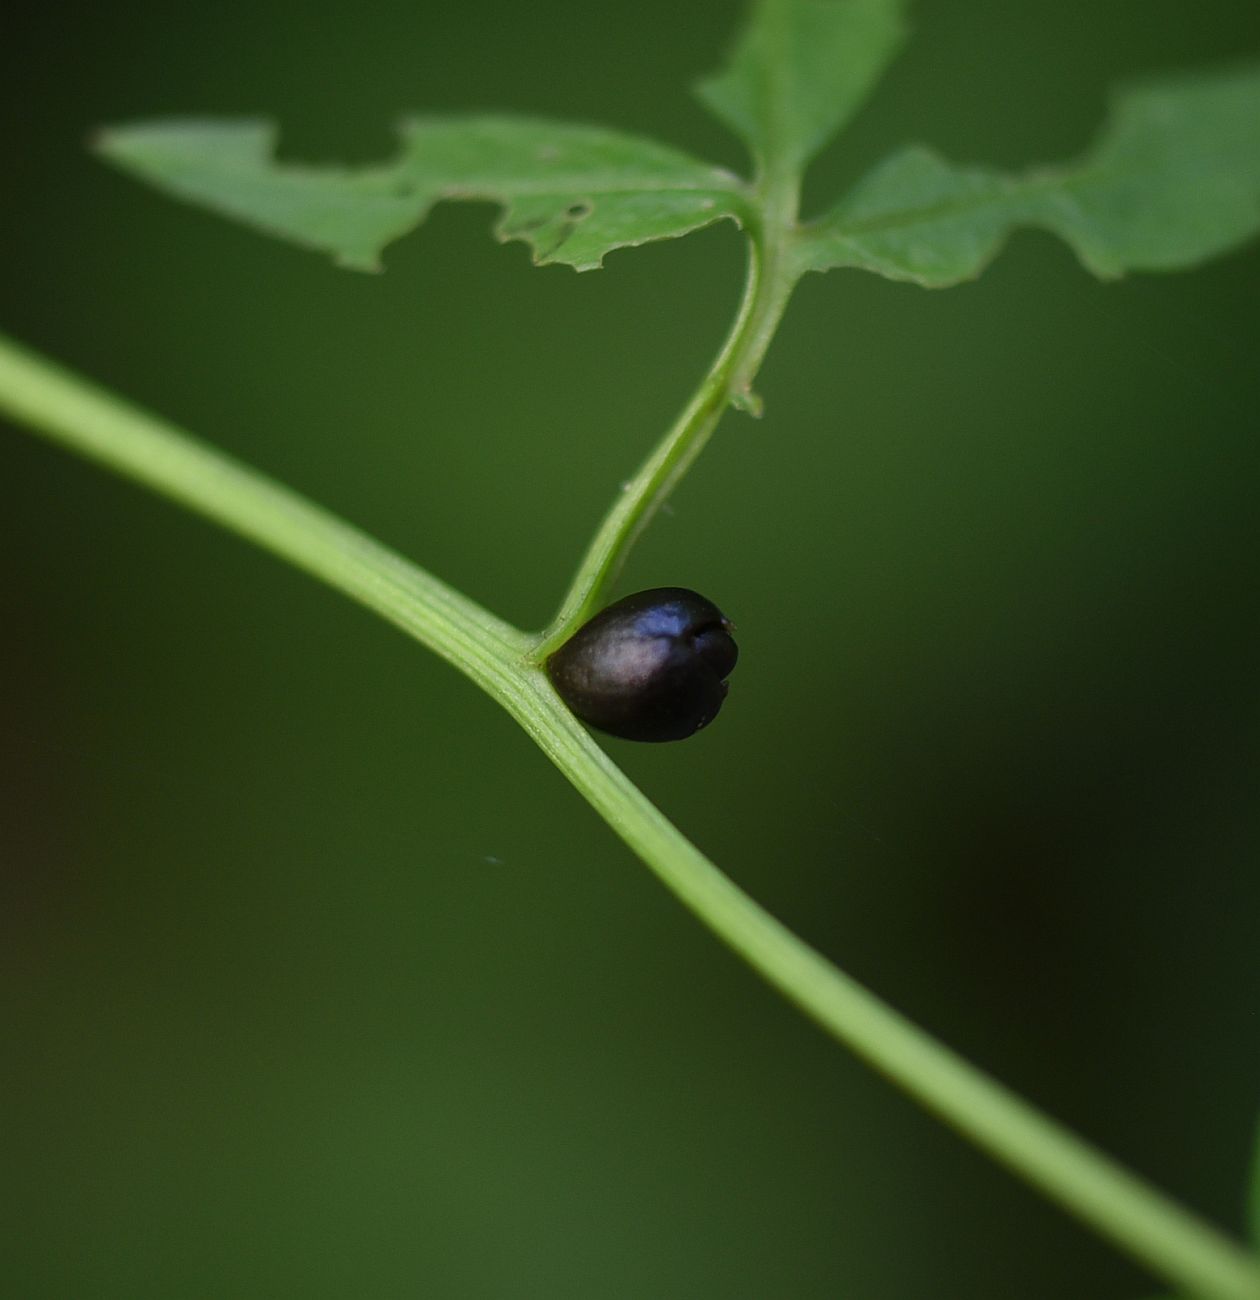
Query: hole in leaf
[{"x": 576, "y": 211}]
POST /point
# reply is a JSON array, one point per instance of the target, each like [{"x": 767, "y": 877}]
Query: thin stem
[
  {"x": 1157, "y": 1232},
  {"x": 1154, "y": 1230},
  {"x": 104, "y": 428},
  {"x": 768, "y": 285}
]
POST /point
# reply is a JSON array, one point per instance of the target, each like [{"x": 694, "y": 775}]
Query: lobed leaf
[
  {"x": 799, "y": 72},
  {"x": 1173, "y": 179},
  {"x": 574, "y": 193}
]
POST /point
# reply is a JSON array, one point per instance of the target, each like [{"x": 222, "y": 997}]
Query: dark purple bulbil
[{"x": 650, "y": 667}]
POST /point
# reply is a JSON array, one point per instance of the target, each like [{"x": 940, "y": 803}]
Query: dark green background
[{"x": 320, "y": 982}]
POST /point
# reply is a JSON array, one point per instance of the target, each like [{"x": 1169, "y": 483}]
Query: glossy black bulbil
[{"x": 650, "y": 667}]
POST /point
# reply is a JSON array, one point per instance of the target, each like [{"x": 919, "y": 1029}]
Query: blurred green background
[{"x": 320, "y": 982}]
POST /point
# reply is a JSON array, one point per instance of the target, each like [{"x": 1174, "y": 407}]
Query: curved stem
[
  {"x": 139, "y": 446},
  {"x": 1157, "y": 1232},
  {"x": 768, "y": 284}
]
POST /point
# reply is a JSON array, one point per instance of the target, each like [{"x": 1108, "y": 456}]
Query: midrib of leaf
[
  {"x": 775, "y": 74},
  {"x": 614, "y": 183},
  {"x": 906, "y": 217},
  {"x": 1028, "y": 185},
  {"x": 598, "y": 187}
]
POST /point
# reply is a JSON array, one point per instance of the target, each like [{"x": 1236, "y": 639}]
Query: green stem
[
  {"x": 141, "y": 447},
  {"x": 1168, "y": 1239},
  {"x": 768, "y": 285}
]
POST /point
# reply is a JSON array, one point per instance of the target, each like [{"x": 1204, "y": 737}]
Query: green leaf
[
  {"x": 799, "y": 72},
  {"x": 574, "y": 193},
  {"x": 1173, "y": 179}
]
